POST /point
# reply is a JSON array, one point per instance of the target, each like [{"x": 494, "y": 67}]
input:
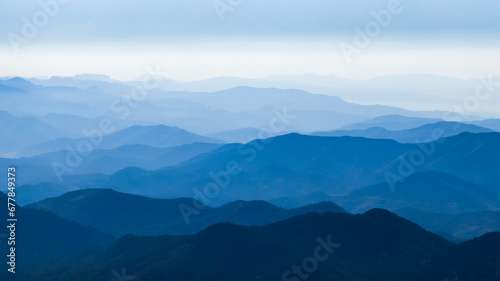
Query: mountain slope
[
  {"x": 392, "y": 123},
  {"x": 155, "y": 136},
  {"x": 430, "y": 192},
  {"x": 297, "y": 165},
  {"x": 469, "y": 157},
  {"x": 377, "y": 245},
  {"x": 20, "y": 132},
  {"x": 262, "y": 170},
  {"x": 30, "y": 193},
  {"x": 116, "y": 213},
  {"x": 42, "y": 236},
  {"x": 493, "y": 124},
  {"x": 461, "y": 226},
  {"x": 425, "y": 133},
  {"x": 40, "y": 168},
  {"x": 242, "y": 135}
]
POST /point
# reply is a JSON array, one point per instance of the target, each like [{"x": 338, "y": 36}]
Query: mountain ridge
[
  {"x": 395, "y": 249},
  {"x": 116, "y": 213}
]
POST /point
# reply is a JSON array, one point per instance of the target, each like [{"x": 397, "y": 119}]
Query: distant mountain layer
[
  {"x": 155, "y": 136},
  {"x": 410, "y": 90},
  {"x": 424, "y": 133},
  {"x": 392, "y": 123},
  {"x": 47, "y": 167},
  {"x": 399, "y": 122},
  {"x": 117, "y": 213},
  {"x": 493, "y": 124},
  {"x": 229, "y": 108},
  {"x": 243, "y": 135},
  {"x": 417, "y": 90},
  {"x": 460, "y": 226},
  {"x": 20, "y": 132},
  {"x": 262, "y": 170},
  {"x": 75, "y": 125},
  {"x": 377, "y": 245},
  {"x": 30, "y": 193},
  {"x": 429, "y": 191},
  {"x": 297, "y": 165},
  {"x": 291, "y": 201}
]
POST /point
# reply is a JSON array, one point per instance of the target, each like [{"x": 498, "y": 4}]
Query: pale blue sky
[
  {"x": 256, "y": 38},
  {"x": 86, "y": 20}
]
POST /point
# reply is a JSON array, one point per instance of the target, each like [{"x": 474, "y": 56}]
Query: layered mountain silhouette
[
  {"x": 397, "y": 90},
  {"x": 297, "y": 165},
  {"x": 307, "y": 199},
  {"x": 155, "y": 136},
  {"x": 230, "y": 108},
  {"x": 19, "y": 132},
  {"x": 377, "y": 245},
  {"x": 75, "y": 124},
  {"x": 424, "y": 133},
  {"x": 244, "y": 135},
  {"x": 399, "y": 122},
  {"x": 430, "y": 192},
  {"x": 239, "y": 179},
  {"x": 392, "y": 123},
  {"x": 31, "y": 193},
  {"x": 117, "y": 213},
  {"x": 459, "y": 227},
  {"x": 41, "y": 167},
  {"x": 493, "y": 124},
  {"x": 290, "y": 164}
]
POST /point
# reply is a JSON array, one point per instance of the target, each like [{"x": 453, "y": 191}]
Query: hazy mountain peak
[
  {"x": 95, "y": 77},
  {"x": 18, "y": 82}
]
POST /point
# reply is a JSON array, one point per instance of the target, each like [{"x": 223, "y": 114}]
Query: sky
[{"x": 199, "y": 39}]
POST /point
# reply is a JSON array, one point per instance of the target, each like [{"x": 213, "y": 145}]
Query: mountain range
[
  {"x": 250, "y": 179},
  {"x": 155, "y": 136},
  {"x": 298, "y": 165},
  {"x": 200, "y": 111},
  {"x": 116, "y": 213},
  {"x": 424, "y": 133},
  {"x": 265, "y": 169},
  {"x": 313, "y": 246},
  {"x": 400, "y": 122},
  {"x": 41, "y": 168},
  {"x": 21, "y": 132},
  {"x": 458, "y": 227},
  {"x": 417, "y": 90},
  {"x": 432, "y": 192}
]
